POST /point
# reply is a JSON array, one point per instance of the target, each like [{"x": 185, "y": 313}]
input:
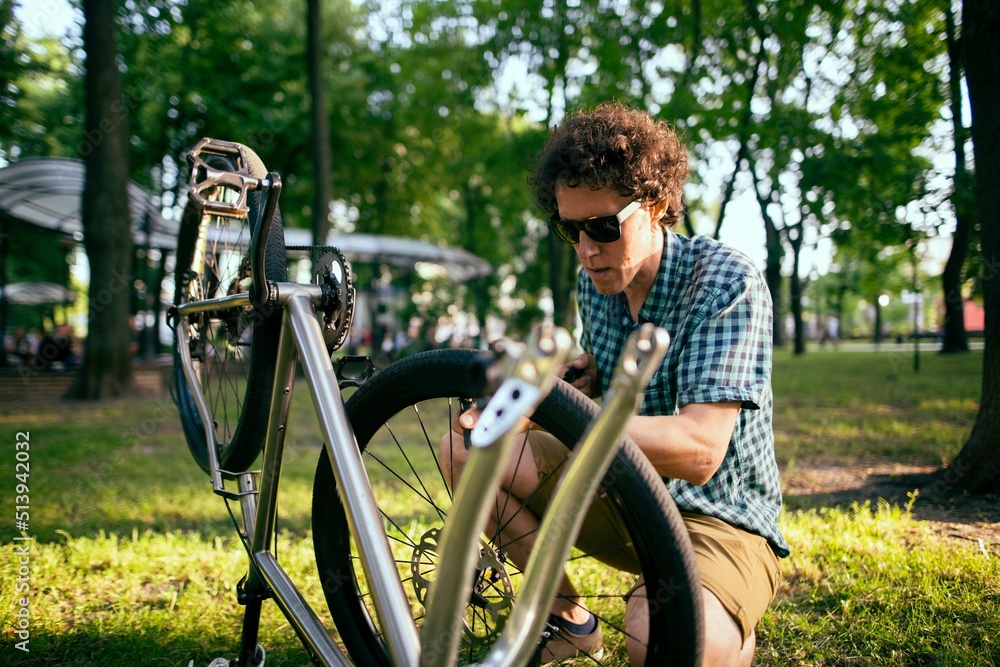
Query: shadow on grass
[
  {"x": 146, "y": 646},
  {"x": 166, "y": 508},
  {"x": 936, "y": 497}
]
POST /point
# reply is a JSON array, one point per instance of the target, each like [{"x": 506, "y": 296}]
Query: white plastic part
[{"x": 513, "y": 400}]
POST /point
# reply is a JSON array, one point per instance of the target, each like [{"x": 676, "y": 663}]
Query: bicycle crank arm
[
  {"x": 640, "y": 358},
  {"x": 529, "y": 378}
]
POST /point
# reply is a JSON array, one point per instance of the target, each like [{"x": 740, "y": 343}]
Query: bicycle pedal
[{"x": 256, "y": 661}]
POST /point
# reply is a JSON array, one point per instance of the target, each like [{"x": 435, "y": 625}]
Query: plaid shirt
[{"x": 716, "y": 306}]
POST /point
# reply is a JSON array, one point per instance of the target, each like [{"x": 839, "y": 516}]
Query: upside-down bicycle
[{"x": 414, "y": 582}]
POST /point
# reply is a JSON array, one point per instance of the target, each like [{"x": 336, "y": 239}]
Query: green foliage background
[
  {"x": 828, "y": 112},
  {"x": 135, "y": 560}
]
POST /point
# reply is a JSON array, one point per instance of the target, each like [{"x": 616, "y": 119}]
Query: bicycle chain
[{"x": 336, "y": 323}]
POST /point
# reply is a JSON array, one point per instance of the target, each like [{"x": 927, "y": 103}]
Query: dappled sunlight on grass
[
  {"x": 836, "y": 406},
  {"x": 870, "y": 585},
  {"x": 136, "y": 561},
  {"x": 175, "y": 589},
  {"x": 957, "y": 409}
]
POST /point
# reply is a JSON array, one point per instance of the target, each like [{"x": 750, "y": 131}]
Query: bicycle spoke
[
  {"x": 450, "y": 483},
  {"x": 429, "y": 442},
  {"x": 427, "y": 498},
  {"x": 426, "y": 494},
  {"x": 529, "y": 498},
  {"x": 407, "y": 542},
  {"x": 502, "y": 511}
]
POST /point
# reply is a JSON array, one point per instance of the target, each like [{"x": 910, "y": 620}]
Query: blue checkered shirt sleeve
[{"x": 727, "y": 354}]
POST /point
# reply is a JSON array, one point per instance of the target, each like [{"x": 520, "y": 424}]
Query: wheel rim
[
  {"x": 221, "y": 339},
  {"x": 392, "y": 464}
]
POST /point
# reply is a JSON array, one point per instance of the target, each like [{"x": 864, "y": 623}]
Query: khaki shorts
[{"x": 737, "y": 566}]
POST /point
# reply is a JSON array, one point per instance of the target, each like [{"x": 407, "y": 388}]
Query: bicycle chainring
[{"x": 334, "y": 270}]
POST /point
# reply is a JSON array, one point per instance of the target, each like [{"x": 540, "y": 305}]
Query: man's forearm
[{"x": 690, "y": 445}]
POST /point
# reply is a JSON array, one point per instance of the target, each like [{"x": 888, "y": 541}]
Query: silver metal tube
[
  {"x": 218, "y": 303},
  {"x": 281, "y": 398},
  {"x": 390, "y": 600},
  {"x": 532, "y": 373},
  {"x": 298, "y": 612},
  {"x": 201, "y": 404},
  {"x": 459, "y": 552},
  {"x": 248, "y": 501},
  {"x": 241, "y": 300},
  {"x": 564, "y": 516}
]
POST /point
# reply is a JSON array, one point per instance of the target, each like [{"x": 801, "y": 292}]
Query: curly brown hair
[{"x": 614, "y": 147}]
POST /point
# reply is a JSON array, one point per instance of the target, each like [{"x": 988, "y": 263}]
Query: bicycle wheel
[
  {"x": 233, "y": 350},
  {"x": 398, "y": 417}
]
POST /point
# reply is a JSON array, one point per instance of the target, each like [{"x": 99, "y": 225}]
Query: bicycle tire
[
  {"x": 235, "y": 350},
  {"x": 635, "y": 490}
]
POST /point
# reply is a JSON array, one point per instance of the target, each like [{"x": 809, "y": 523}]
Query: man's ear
[{"x": 656, "y": 211}]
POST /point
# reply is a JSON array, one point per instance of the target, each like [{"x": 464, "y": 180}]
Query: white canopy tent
[
  {"x": 37, "y": 294},
  {"x": 459, "y": 264},
  {"x": 47, "y": 192}
]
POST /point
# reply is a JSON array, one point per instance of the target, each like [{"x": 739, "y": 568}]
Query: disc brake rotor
[{"x": 492, "y": 591}]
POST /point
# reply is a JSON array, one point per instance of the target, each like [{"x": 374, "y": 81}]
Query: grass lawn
[{"x": 134, "y": 560}]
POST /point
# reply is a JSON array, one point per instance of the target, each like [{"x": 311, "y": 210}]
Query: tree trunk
[
  {"x": 795, "y": 291},
  {"x": 727, "y": 193},
  {"x": 560, "y": 254},
  {"x": 963, "y": 199},
  {"x": 320, "y": 143},
  {"x": 977, "y": 466},
  {"x": 877, "y": 329},
  {"x": 772, "y": 274},
  {"x": 107, "y": 360},
  {"x": 775, "y": 255},
  {"x": 746, "y": 130},
  {"x": 686, "y": 220}
]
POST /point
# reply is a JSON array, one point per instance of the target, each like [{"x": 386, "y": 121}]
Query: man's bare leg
[
  {"x": 518, "y": 526},
  {"x": 724, "y": 645}
]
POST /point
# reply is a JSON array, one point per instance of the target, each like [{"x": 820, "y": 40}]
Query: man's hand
[
  {"x": 466, "y": 421},
  {"x": 582, "y": 374}
]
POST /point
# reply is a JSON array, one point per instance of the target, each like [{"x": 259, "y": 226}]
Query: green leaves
[{"x": 435, "y": 107}]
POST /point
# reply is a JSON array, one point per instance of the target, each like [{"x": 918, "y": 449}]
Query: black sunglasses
[{"x": 604, "y": 229}]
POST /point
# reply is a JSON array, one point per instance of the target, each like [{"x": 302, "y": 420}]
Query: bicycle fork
[{"x": 494, "y": 438}]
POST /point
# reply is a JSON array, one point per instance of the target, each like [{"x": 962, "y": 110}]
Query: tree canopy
[{"x": 830, "y": 115}]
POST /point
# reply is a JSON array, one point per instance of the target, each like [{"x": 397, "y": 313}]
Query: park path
[
  {"x": 904, "y": 348},
  {"x": 966, "y": 518}
]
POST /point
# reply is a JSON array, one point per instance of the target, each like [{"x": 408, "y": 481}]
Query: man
[{"x": 612, "y": 179}]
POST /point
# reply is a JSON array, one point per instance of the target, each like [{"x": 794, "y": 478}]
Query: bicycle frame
[
  {"x": 301, "y": 333},
  {"x": 301, "y": 339}
]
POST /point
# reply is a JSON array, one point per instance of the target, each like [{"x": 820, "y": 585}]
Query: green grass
[
  {"x": 845, "y": 407},
  {"x": 872, "y": 586},
  {"x": 134, "y": 560}
]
